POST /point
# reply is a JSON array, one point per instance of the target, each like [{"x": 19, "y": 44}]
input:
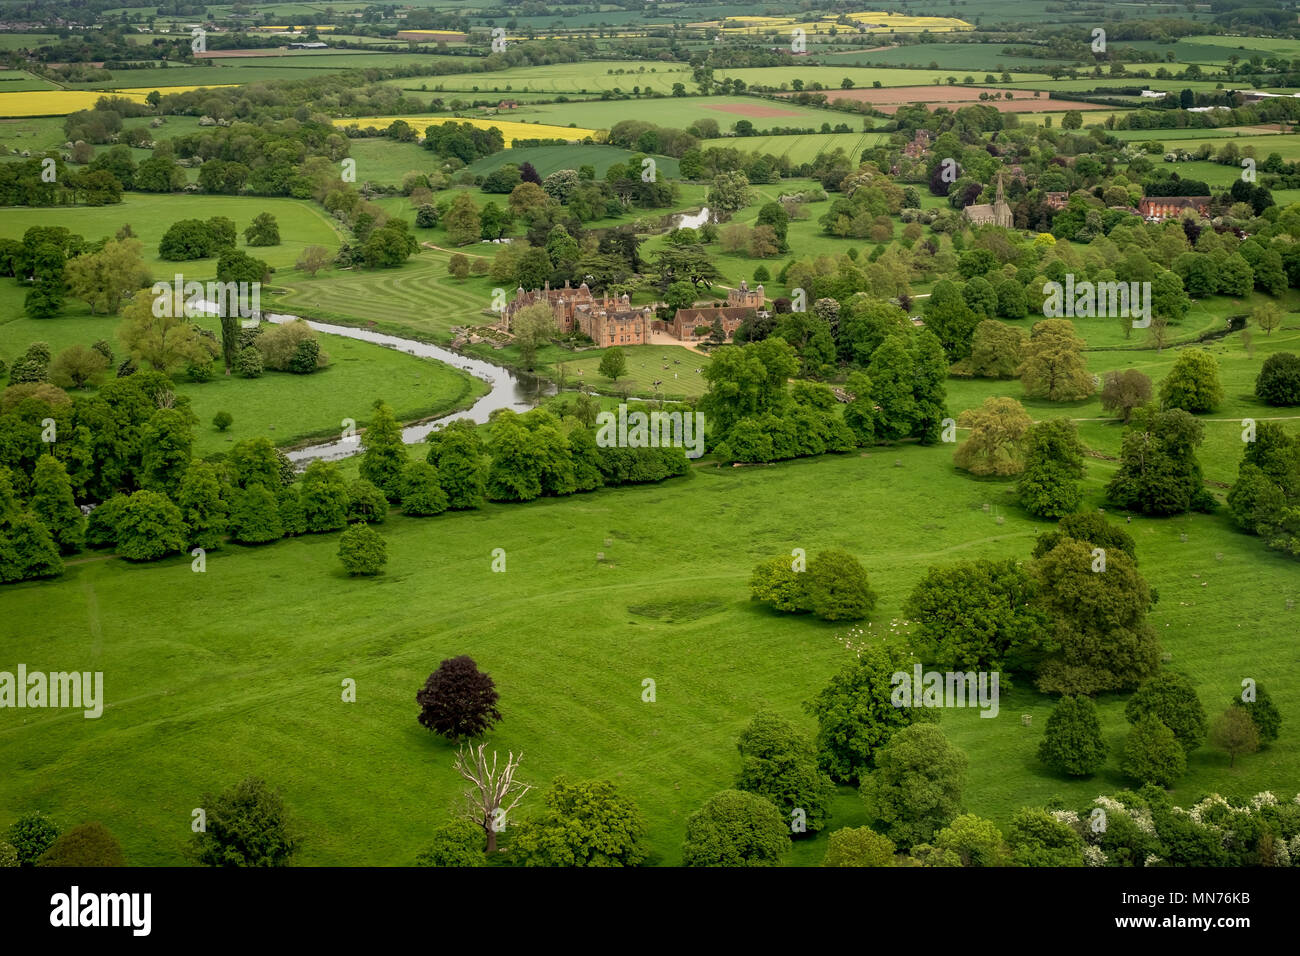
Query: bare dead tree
[{"x": 492, "y": 794}]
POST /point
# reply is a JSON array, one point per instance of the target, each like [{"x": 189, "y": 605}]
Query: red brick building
[{"x": 1156, "y": 208}]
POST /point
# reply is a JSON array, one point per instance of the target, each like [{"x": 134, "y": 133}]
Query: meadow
[
  {"x": 238, "y": 672},
  {"x": 288, "y": 409},
  {"x": 510, "y": 129},
  {"x": 301, "y": 224},
  {"x": 801, "y": 147}
]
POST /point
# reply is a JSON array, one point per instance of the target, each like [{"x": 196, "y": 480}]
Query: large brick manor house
[{"x": 610, "y": 321}]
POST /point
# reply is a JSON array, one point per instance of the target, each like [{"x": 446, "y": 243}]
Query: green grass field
[
  {"x": 801, "y": 148},
  {"x": 285, "y": 408},
  {"x": 301, "y": 224},
  {"x": 238, "y": 671},
  {"x": 680, "y": 112},
  {"x": 548, "y": 159}
]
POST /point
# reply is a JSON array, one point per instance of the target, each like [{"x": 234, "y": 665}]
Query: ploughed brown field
[{"x": 890, "y": 99}]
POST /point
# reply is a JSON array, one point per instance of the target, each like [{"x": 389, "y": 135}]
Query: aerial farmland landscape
[{"x": 651, "y": 434}]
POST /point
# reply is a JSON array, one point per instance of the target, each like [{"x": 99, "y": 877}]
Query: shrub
[
  {"x": 247, "y": 825},
  {"x": 306, "y": 358},
  {"x": 248, "y": 363},
  {"x": 362, "y": 550},
  {"x": 89, "y": 844},
  {"x": 858, "y": 846},
  {"x": 735, "y": 829},
  {"x": 222, "y": 420},
  {"x": 1279, "y": 380},
  {"x": 280, "y": 344},
  {"x": 31, "y": 835},
  {"x": 458, "y": 843}
]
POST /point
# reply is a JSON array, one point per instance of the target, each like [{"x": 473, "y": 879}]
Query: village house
[
  {"x": 1158, "y": 208},
  {"x": 1056, "y": 200}
]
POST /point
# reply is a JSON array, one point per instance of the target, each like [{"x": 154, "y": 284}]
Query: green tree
[
  {"x": 735, "y": 828},
  {"x": 384, "y": 459},
  {"x": 1049, "y": 485},
  {"x": 457, "y": 452},
  {"x": 1072, "y": 743},
  {"x": 775, "y": 583},
  {"x": 1278, "y": 382},
  {"x": 856, "y": 715},
  {"x": 584, "y": 824},
  {"x": 729, "y": 192},
  {"x": 31, "y": 835},
  {"x": 975, "y": 841},
  {"x": 323, "y": 492},
  {"x": 1036, "y": 838},
  {"x": 949, "y": 317},
  {"x": 1262, "y": 711},
  {"x": 1234, "y": 733},
  {"x": 362, "y": 550},
  {"x": 166, "y": 440},
  {"x": 1153, "y": 754},
  {"x": 996, "y": 442},
  {"x": 456, "y": 843},
  {"x": 247, "y": 825},
  {"x": 263, "y": 231},
  {"x": 1054, "y": 367},
  {"x": 366, "y": 503},
  {"x": 103, "y": 279},
  {"x": 52, "y": 501},
  {"x": 779, "y": 763},
  {"x": 255, "y": 516},
  {"x": 892, "y": 373},
  {"x": 166, "y": 342},
  {"x": 1124, "y": 390},
  {"x": 838, "y": 589},
  {"x": 976, "y": 615},
  {"x": 422, "y": 492},
  {"x": 149, "y": 527},
  {"x": 996, "y": 348},
  {"x": 858, "y": 846},
  {"x": 1193, "y": 383},
  {"x": 1159, "y": 473},
  {"x": 1097, "y": 621},
  {"x": 462, "y": 220},
  {"x": 613, "y": 364},
  {"x": 27, "y": 550},
  {"x": 532, "y": 327},
  {"x": 203, "y": 510},
  {"x": 916, "y": 787},
  {"x": 1170, "y": 698}
]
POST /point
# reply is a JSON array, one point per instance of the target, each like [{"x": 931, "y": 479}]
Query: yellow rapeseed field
[
  {"x": 164, "y": 90},
  {"x": 63, "y": 102},
  {"x": 872, "y": 22},
  {"x": 509, "y": 129},
  {"x": 54, "y": 102}
]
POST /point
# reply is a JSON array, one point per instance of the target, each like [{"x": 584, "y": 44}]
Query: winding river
[{"x": 508, "y": 389}]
